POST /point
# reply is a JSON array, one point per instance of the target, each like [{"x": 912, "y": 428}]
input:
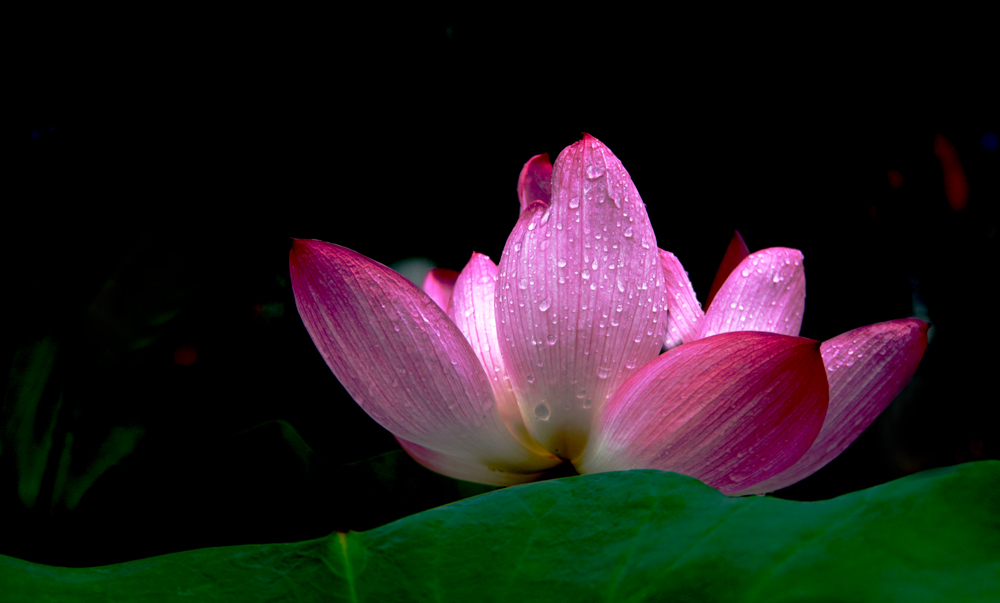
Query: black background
[{"x": 159, "y": 170}]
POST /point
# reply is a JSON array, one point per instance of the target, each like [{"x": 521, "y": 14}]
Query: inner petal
[{"x": 580, "y": 297}]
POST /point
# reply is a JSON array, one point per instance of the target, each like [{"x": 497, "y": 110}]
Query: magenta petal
[
  {"x": 866, "y": 368},
  {"x": 462, "y": 468},
  {"x": 535, "y": 181},
  {"x": 580, "y": 296},
  {"x": 684, "y": 312},
  {"x": 765, "y": 292},
  {"x": 398, "y": 355},
  {"x": 438, "y": 284},
  {"x": 731, "y": 410},
  {"x": 736, "y": 251},
  {"x": 473, "y": 311}
]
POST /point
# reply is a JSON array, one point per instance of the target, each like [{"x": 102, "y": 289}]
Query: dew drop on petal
[
  {"x": 603, "y": 372},
  {"x": 532, "y": 226},
  {"x": 587, "y": 403},
  {"x": 628, "y": 232},
  {"x": 551, "y": 339},
  {"x": 574, "y": 202},
  {"x": 621, "y": 285},
  {"x": 531, "y": 378},
  {"x": 562, "y": 263},
  {"x": 545, "y": 304},
  {"x": 542, "y": 412},
  {"x": 745, "y": 272}
]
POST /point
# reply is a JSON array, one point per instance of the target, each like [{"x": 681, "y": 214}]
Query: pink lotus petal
[
  {"x": 473, "y": 311},
  {"x": 462, "y": 468},
  {"x": 399, "y": 356},
  {"x": 535, "y": 181},
  {"x": 765, "y": 292},
  {"x": 581, "y": 300},
  {"x": 866, "y": 369},
  {"x": 438, "y": 284},
  {"x": 731, "y": 410},
  {"x": 736, "y": 251},
  {"x": 684, "y": 311}
]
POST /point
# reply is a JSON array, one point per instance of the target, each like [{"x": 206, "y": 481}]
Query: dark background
[{"x": 162, "y": 393}]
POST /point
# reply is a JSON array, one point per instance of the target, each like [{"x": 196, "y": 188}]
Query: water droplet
[
  {"x": 522, "y": 284},
  {"x": 545, "y": 304},
  {"x": 732, "y": 305},
  {"x": 603, "y": 372},
  {"x": 593, "y": 286},
  {"x": 628, "y": 232},
  {"x": 532, "y": 226},
  {"x": 551, "y": 339},
  {"x": 562, "y": 263},
  {"x": 587, "y": 403},
  {"x": 517, "y": 247},
  {"x": 594, "y": 171},
  {"x": 395, "y": 328},
  {"x": 580, "y": 394},
  {"x": 745, "y": 272},
  {"x": 574, "y": 202},
  {"x": 542, "y": 412},
  {"x": 594, "y": 265},
  {"x": 776, "y": 279},
  {"x": 545, "y": 216},
  {"x": 585, "y": 274},
  {"x": 531, "y": 379}
]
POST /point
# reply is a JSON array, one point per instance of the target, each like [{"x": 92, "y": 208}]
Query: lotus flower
[{"x": 499, "y": 373}]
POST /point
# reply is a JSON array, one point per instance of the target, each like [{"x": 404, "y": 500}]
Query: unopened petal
[
  {"x": 398, "y": 355},
  {"x": 866, "y": 368},
  {"x": 580, "y": 296},
  {"x": 470, "y": 470},
  {"x": 535, "y": 181},
  {"x": 736, "y": 251},
  {"x": 473, "y": 311},
  {"x": 438, "y": 285},
  {"x": 765, "y": 292},
  {"x": 731, "y": 410},
  {"x": 684, "y": 313}
]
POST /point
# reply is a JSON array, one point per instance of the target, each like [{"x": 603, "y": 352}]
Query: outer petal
[
  {"x": 866, "y": 368},
  {"x": 765, "y": 292},
  {"x": 685, "y": 312},
  {"x": 731, "y": 410},
  {"x": 735, "y": 253},
  {"x": 438, "y": 284},
  {"x": 472, "y": 310},
  {"x": 463, "y": 468},
  {"x": 580, "y": 296},
  {"x": 535, "y": 181},
  {"x": 399, "y": 356}
]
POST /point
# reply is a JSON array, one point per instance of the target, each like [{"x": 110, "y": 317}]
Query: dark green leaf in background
[{"x": 627, "y": 536}]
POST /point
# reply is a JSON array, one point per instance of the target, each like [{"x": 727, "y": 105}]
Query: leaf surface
[{"x": 620, "y": 536}]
